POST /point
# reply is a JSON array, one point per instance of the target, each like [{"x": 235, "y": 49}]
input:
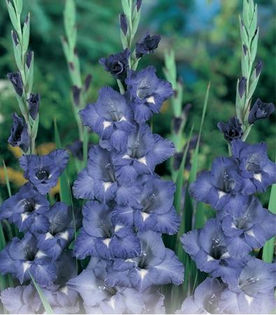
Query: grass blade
[{"x": 42, "y": 297}]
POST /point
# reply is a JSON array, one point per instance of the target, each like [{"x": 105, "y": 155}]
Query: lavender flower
[
  {"x": 19, "y": 133},
  {"x": 60, "y": 230},
  {"x": 22, "y": 257},
  {"x": 206, "y": 298},
  {"x": 110, "y": 117},
  {"x": 117, "y": 64},
  {"x": 151, "y": 208},
  {"x": 43, "y": 171},
  {"x": 217, "y": 186},
  {"x": 147, "y": 45},
  {"x": 244, "y": 219},
  {"x": 76, "y": 149},
  {"x": 213, "y": 252},
  {"x": 21, "y": 300},
  {"x": 255, "y": 165},
  {"x": 147, "y": 93},
  {"x": 232, "y": 129},
  {"x": 26, "y": 209},
  {"x": 260, "y": 110},
  {"x": 156, "y": 265},
  {"x": 144, "y": 151},
  {"x": 100, "y": 237}
]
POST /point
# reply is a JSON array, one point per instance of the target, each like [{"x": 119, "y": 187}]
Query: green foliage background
[{"x": 207, "y": 50}]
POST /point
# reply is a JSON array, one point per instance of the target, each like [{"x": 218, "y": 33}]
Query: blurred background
[{"x": 204, "y": 35}]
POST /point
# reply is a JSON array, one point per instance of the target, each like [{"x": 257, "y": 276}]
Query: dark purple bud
[
  {"x": 76, "y": 91},
  {"x": 242, "y": 86},
  {"x": 15, "y": 38},
  {"x": 138, "y": 4},
  {"x": 87, "y": 82},
  {"x": 17, "y": 82},
  {"x": 19, "y": 133},
  {"x": 147, "y": 45},
  {"x": 260, "y": 110},
  {"x": 33, "y": 102},
  {"x": 231, "y": 130},
  {"x": 177, "y": 122},
  {"x": 76, "y": 148},
  {"x": 123, "y": 23},
  {"x": 259, "y": 67},
  {"x": 117, "y": 64},
  {"x": 29, "y": 57},
  {"x": 244, "y": 48}
]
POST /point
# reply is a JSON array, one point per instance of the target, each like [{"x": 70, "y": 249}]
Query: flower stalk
[
  {"x": 22, "y": 80},
  {"x": 79, "y": 88}
]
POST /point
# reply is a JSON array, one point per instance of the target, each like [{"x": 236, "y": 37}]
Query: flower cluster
[
  {"x": 47, "y": 231},
  {"x": 223, "y": 248},
  {"x": 129, "y": 205}
]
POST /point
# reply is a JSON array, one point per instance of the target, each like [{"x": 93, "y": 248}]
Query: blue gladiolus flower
[
  {"x": 156, "y": 265},
  {"x": 147, "y": 93},
  {"x": 26, "y": 209},
  {"x": 254, "y": 164},
  {"x": 110, "y": 117},
  {"x": 43, "y": 171},
  {"x": 23, "y": 257}
]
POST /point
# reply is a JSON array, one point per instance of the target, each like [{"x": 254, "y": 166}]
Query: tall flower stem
[
  {"x": 131, "y": 13},
  {"x": 250, "y": 74},
  {"x": 24, "y": 61},
  {"x": 79, "y": 88}
]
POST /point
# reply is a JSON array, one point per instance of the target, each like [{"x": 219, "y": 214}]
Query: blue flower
[
  {"x": 43, "y": 171},
  {"x": 98, "y": 297},
  {"x": 26, "y": 209},
  {"x": 213, "y": 252},
  {"x": 110, "y": 117},
  {"x": 147, "y": 93},
  {"x": 153, "y": 207},
  {"x": 218, "y": 186},
  {"x": 156, "y": 265},
  {"x": 254, "y": 164},
  {"x": 60, "y": 231},
  {"x": 22, "y": 257},
  {"x": 206, "y": 298},
  {"x": 19, "y": 136},
  {"x": 98, "y": 179},
  {"x": 33, "y": 102},
  {"x": 100, "y": 237},
  {"x": 16, "y": 80},
  {"x": 260, "y": 110},
  {"x": 144, "y": 151},
  {"x": 232, "y": 129},
  {"x": 244, "y": 217},
  {"x": 117, "y": 64},
  {"x": 21, "y": 300},
  {"x": 147, "y": 45}
]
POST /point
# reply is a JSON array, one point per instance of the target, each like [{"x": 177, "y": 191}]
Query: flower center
[
  {"x": 217, "y": 249},
  {"x": 29, "y": 205},
  {"x": 42, "y": 174}
]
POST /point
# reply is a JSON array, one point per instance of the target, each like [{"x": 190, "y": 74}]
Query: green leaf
[
  {"x": 268, "y": 248},
  {"x": 26, "y": 34},
  {"x": 13, "y": 17},
  {"x": 18, "y": 6},
  {"x": 126, "y": 8},
  {"x": 194, "y": 167},
  {"x": 180, "y": 178},
  {"x": 254, "y": 45},
  {"x": 17, "y": 54},
  {"x": 70, "y": 21},
  {"x": 44, "y": 301},
  {"x": 65, "y": 190}
]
